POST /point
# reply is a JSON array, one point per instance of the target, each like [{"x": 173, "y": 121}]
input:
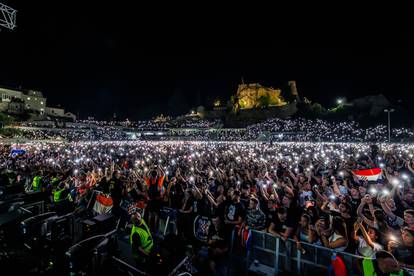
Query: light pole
[{"x": 389, "y": 123}]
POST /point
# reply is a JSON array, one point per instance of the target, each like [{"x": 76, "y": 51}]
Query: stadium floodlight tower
[{"x": 7, "y": 17}]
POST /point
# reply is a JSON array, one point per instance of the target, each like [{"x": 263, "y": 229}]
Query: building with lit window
[{"x": 15, "y": 101}]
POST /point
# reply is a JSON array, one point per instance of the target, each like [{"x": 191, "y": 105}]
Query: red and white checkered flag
[{"x": 369, "y": 174}]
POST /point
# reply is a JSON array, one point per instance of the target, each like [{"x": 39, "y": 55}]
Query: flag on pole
[
  {"x": 369, "y": 174},
  {"x": 103, "y": 204}
]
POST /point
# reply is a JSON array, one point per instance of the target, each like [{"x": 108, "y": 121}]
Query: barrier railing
[{"x": 277, "y": 255}]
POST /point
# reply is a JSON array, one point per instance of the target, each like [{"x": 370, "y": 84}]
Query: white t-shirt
[{"x": 367, "y": 251}]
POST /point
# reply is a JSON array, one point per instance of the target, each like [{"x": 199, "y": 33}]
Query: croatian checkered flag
[{"x": 369, "y": 174}]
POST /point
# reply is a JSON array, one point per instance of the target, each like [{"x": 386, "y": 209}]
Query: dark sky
[{"x": 97, "y": 61}]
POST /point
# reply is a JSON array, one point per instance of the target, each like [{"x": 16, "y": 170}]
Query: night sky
[{"x": 100, "y": 61}]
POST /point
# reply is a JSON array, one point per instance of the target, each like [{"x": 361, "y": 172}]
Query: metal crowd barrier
[
  {"x": 270, "y": 255},
  {"x": 168, "y": 221}
]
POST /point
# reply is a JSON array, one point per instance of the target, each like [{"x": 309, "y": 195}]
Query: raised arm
[
  {"x": 365, "y": 235},
  {"x": 361, "y": 215}
]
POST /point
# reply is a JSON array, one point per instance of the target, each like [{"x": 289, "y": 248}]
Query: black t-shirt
[
  {"x": 270, "y": 215},
  {"x": 354, "y": 204},
  {"x": 189, "y": 204},
  {"x": 197, "y": 206},
  {"x": 134, "y": 195},
  {"x": 104, "y": 186},
  {"x": 405, "y": 255},
  {"x": 116, "y": 187},
  {"x": 176, "y": 195},
  {"x": 219, "y": 211},
  {"x": 280, "y": 226},
  {"x": 245, "y": 201},
  {"x": 234, "y": 211}
]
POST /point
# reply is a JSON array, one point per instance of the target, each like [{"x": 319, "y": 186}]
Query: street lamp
[
  {"x": 339, "y": 101},
  {"x": 389, "y": 123}
]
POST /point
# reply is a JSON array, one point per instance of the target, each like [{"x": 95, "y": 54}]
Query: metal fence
[{"x": 269, "y": 255}]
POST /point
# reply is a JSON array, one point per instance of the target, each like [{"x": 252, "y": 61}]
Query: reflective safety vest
[
  {"x": 54, "y": 180},
  {"x": 144, "y": 235},
  {"x": 36, "y": 183},
  {"x": 369, "y": 270},
  {"x": 57, "y": 195}
]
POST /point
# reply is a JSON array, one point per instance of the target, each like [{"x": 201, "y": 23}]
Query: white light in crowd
[
  {"x": 395, "y": 182},
  {"x": 381, "y": 165},
  {"x": 392, "y": 237},
  {"x": 332, "y": 197},
  {"x": 341, "y": 173},
  {"x": 385, "y": 192},
  {"x": 192, "y": 178},
  {"x": 238, "y": 182},
  {"x": 373, "y": 191},
  {"x": 404, "y": 176},
  {"x": 75, "y": 171}
]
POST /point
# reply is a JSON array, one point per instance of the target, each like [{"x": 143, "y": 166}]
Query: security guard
[
  {"x": 384, "y": 264},
  {"x": 140, "y": 239},
  {"x": 37, "y": 182},
  {"x": 61, "y": 193}
]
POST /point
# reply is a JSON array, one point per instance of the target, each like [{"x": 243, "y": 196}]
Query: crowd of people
[
  {"x": 298, "y": 129},
  {"x": 73, "y": 135},
  {"x": 305, "y": 191},
  {"x": 153, "y": 125}
]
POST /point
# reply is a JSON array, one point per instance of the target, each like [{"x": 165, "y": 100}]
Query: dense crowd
[
  {"x": 307, "y": 192},
  {"x": 74, "y": 135},
  {"x": 153, "y": 124},
  {"x": 273, "y": 129}
]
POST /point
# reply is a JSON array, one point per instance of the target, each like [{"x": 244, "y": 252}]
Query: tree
[
  {"x": 5, "y": 119},
  {"x": 263, "y": 101},
  {"x": 317, "y": 108}
]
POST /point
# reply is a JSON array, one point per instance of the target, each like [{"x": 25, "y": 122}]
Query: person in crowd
[
  {"x": 141, "y": 240},
  {"x": 282, "y": 225},
  {"x": 367, "y": 243},
  {"x": 335, "y": 237},
  {"x": 306, "y": 190},
  {"x": 383, "y": 264},
  {"x": 155, "y": 181}
]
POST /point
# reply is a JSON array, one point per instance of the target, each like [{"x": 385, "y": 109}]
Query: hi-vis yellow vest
[
  {"x": 369, "y": 270},
  {"x": 144, "y": 235},
  {"x": 36, "y": 183}
]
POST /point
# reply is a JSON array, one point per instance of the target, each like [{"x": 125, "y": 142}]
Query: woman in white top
[
  {"x": 367, "y": 244},
  {"x": 335, "y": 237}
]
